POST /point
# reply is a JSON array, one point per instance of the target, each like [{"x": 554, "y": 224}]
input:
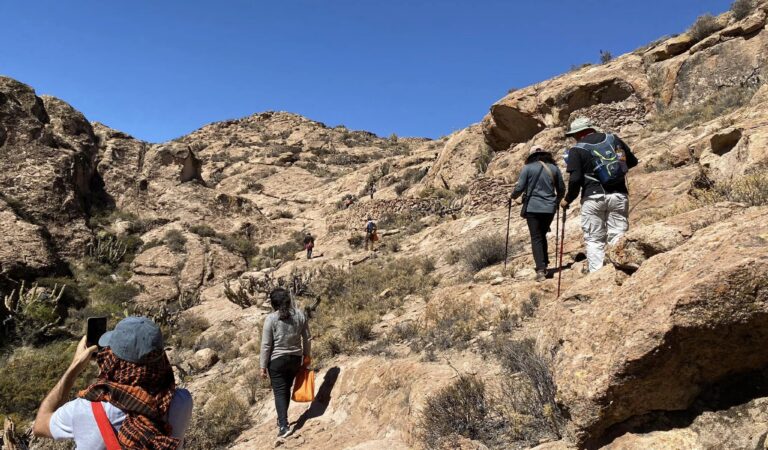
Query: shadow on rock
[{"x": 322, "y": 399}]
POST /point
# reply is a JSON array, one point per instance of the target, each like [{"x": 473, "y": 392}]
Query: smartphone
[{"x": 96, "y": 326}]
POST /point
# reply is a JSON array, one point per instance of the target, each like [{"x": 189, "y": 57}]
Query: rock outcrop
[
  {"x": 24, "y": 248},
  {"x": 47, "y": 163},
  {"x": 687, "y": 319}
]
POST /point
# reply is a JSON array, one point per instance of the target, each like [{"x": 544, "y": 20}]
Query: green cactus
[
  {"x": 31, "y": 311},
  {"x": 107, "y": 250}
]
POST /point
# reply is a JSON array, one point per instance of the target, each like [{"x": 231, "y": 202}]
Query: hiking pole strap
[{"x": 105, "y": 426}]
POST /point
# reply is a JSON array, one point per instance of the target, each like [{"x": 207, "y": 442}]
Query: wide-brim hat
[
  {"x": 537, "y": 149},
  {"x": 579, "y": 125}
]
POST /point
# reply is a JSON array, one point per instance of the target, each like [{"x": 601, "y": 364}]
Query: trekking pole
[
  {"x": 562, "y": 245},
  {"x": 557, "y": 233},
  {"x": 506, "y": 242}
]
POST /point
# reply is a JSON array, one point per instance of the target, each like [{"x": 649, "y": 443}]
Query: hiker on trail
[
  {"x": 597, "y": 165},
  {"x": 285, "y": 348},
  {"x": 371, "y": 235},
  {"x": 542, "y": 183},
  {"x": 372, "y": 191},
  {"x": 309, "y": 244},
  {"x": 134, "y": 402}
]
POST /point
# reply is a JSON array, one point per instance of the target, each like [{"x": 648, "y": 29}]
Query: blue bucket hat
[{"x": 133, "y": 339}]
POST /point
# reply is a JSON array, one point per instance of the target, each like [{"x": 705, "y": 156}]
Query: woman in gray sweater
[
  {"x": 543, "y": 185},
  {"x": 284, "y": 340}
]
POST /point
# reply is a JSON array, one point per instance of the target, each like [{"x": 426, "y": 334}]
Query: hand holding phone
[{"x": 96, "y": 326}]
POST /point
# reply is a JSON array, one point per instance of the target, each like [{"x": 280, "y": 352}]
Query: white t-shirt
[{"x": 86, "y": 433}]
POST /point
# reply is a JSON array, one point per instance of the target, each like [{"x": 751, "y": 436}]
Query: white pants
[{"x": 604, "y": 219}]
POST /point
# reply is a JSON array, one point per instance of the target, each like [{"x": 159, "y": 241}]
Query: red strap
[{"x": 105, "y": 426}]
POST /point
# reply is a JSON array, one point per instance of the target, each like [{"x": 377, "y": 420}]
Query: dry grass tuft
[{"x": 751, "y": 190}]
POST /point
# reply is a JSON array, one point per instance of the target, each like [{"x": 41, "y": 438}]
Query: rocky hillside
[{"x": 428, "y": 342}]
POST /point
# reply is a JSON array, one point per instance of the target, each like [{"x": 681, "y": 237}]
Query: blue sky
[{"x": 158, "y": 69}]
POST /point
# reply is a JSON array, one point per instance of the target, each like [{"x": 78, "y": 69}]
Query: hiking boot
[
  {"x": 284, "y": 432},
  {"x": 541, "y": 275}
]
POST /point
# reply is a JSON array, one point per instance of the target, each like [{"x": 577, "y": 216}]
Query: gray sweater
[
  {"x": 284, "y": 337},
  {"x": 546, "y": 194}
]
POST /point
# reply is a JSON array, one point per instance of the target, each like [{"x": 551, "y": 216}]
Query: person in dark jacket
[
  {"x": 542, "y": 183},
  {"x": 309, "y": 244},
  {"x": 284, "y": 340},
  {"x": 604, "y": 206}
]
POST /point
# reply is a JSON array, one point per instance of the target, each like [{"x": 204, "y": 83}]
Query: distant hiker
[
  {"x": 134, "y": 402},
  {"x": 371, "y": 235},
  {"x": 542, "y": 183},
  {"x": 285, "y": 348},
  {"x": 597, "y": 165},
  {"x": 372, "y": 191},
  {"x": 309, "y": 244}
]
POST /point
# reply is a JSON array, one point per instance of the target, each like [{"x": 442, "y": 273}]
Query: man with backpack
[
  {"x": 134, "y": 402},
  {"x": 370, "y": 234},
  {"x": 597, "y": 165}
]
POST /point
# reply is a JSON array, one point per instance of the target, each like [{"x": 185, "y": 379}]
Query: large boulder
[
  {"x": 687, "y": 318},
  {"x": 743, "y": 426},
  {"x": 614, "y": 95},
  {"x": 24, "y": 249}
]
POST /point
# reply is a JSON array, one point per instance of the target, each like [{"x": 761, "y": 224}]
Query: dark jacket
[
  {"x": 581, "y": 163},
  {"x": 547, "y": 193}
]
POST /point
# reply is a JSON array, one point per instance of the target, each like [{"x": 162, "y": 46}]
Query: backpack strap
[
  {"x": 549, "y": 171},
  {"x": 105, "y": 426}
]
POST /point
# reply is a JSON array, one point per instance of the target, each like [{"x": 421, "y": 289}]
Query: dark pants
[
  {"x": 282, "y": 371},
  {"x": 538, "y": 226},
  {"x": 309, "y": 253}
]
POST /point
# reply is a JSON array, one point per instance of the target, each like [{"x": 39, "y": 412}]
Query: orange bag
[{"x": 304, "y": 386}]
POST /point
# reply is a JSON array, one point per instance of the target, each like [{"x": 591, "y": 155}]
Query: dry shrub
[
  {"x": 219, "y": 423},
  {"x": 202, "y": 230},
  {"x": 283, "y": 214},
  {"x": 529, "y": 307},
  {"x": 507, "y": 321},
  {"x": 665, "y": 161},
  {"x": 752, "y": 190},
  {"x": 450, "y": 324},
  {"x": 187, "y": 330},
  {"x": 175, "y": 240},
  {"x": 528, "y": 392},
  {"x": 405, "y": 331},
  {"x": 742, "y": 8},
  {"x": 723, "y": 102},
  {"x": 459, "y": 408},
  {"x": 28, "y": 374},
  {"x": 240, "y": 244},
  {"x": 704, "y": 26},
  {"x": 352, "y": 302},
  {"x": 257, "y": 387},
  {"x": 486, "y": 251},
  {"x": 358, "y": 328},
  {"x": 224, "y": 344}
]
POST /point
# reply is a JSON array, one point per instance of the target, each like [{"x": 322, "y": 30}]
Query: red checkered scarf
[{"x": 143, "y": 392}]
